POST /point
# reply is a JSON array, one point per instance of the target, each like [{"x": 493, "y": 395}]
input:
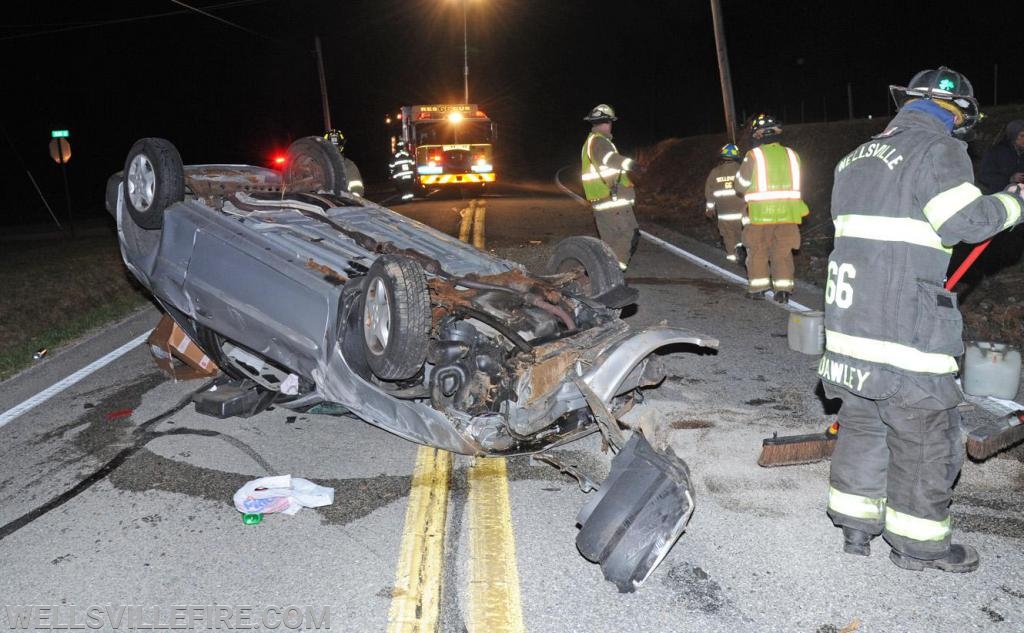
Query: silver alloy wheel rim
[
  {"x": 141, "y": 182},
  {"x": 377, "y": 317}
]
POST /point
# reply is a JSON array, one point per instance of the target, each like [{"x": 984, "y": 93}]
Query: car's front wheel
[
  {"x": 395, "y": 311},
  {"x": 154, "y": 179}
]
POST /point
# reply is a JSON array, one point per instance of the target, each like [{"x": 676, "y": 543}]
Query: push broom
[{"x": 814, "y": 447}]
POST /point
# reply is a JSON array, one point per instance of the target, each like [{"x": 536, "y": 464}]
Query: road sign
[
  {"x": 60, "y": 150},
  {"x": 60, "y": 133}
]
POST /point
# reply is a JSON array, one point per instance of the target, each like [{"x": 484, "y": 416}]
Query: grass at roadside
[{"x": 53, "y": 291}]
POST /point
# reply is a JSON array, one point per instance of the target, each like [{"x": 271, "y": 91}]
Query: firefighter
[
  {"x": 769, "y": 181},
  {"x": 723, "y": 203},
  {"x": 892, "y": 332},
  {"x": 402, "y": 172},
  {"x": 607, "y": 186},
  {"x": 353, "y": 178}
]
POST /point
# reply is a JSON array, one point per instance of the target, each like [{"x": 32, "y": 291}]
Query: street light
[{"x": 465, "y": 54}]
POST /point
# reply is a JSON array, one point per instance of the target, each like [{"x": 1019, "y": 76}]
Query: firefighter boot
[
  {"x": 741, "y": 255},
  {"x": 856, "y": 541},
  {"x": 959, "y": 559},
  {"x": 782, "y": 296}
]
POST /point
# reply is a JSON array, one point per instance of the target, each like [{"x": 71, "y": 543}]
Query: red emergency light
[{"x": 280, "y": 160}]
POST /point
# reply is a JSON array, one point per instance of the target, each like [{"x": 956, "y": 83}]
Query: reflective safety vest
[
  {"x": 769, "y": 180},
  {"x": 900, "y": 202},
  {"x": 604, "y": 169}
]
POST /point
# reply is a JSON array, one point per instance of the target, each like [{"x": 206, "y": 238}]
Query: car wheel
[
  {"x": 213, "y": 345},
  {"x": 314, "y": 164},
  {"x": 396, "y": 317},
  {"x": 600, "y": 267},
  {"x": 113, "y": 188},
  {"x": 154, "y": 179}
]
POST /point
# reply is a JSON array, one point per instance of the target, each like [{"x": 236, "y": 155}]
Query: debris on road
[
  {"x": 169, "y": 342},
  {"x": 40, "y": 353},
  {"x": 120, "y": 413},
  {"x": 281, "y": 493}
]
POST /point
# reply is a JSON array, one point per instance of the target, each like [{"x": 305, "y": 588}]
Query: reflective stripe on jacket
[
  {"x": 899, "y": 204},
  {"x": 769, "y": 180},
  {"x": 719, "y": 192},
  {"x": 602, "y": 167}
]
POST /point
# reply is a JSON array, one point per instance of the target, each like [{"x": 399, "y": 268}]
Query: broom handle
[{"x": 964, "y": 265}]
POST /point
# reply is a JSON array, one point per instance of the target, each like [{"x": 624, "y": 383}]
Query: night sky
[{"x": 112, "y": 72}]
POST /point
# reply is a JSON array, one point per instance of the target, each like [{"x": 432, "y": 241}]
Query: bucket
[
  {"x": 991, "y": 369},
  {"x": 807, "y": 332}
]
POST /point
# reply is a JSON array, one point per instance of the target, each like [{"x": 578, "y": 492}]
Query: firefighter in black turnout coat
[{"x": 892, "y": 333}]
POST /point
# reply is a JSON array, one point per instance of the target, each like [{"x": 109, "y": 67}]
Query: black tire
[
  {"x": 113, "y": 187},
  {"x": 594, "y": 257},
  {"x": 154, "y": 179},
  {"x": 213, "y": 345},
  {"x": 395, "y": 313},
  {"x": 314, "y": 164}
]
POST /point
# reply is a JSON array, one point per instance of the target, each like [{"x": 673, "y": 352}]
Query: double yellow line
[
  {"x": 493, "y": 601},
  {"x": 471, "y": 222}
]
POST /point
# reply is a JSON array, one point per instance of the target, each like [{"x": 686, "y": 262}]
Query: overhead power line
[{"x": 78, "y": 26}]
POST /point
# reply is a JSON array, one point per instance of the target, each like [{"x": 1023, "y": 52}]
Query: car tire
[
  {"x": 395, "y": 311},
  {"x": 599, "y": 264},
  {"x": 315, "y": 164},
  {"x": 113, "y": 188},
  {"x": 213, "y": 345},
  {"x": 154, "y": 179}
]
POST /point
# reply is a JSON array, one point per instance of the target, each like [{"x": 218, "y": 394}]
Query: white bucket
[
  {"x": 807, "y": 332},
  {"x": 991, "y": 369}
]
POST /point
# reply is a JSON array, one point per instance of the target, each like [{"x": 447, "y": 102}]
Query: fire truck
[{"x": 452, "y": 144}]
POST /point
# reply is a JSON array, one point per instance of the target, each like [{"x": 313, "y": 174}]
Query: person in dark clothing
[
  {"x": 1004, "y": 164},
  {"x": 893, "y": 332}
]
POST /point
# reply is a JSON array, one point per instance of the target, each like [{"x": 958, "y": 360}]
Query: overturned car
[{"x": 305, "y": 296}]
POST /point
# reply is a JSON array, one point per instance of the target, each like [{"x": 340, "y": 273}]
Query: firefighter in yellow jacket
[
  {"x": 723, "y": 203},
  {"x": 769, "y": 181},
  {"x": 607, "y": 186}
]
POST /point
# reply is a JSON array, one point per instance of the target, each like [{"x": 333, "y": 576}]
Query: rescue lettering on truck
[{"x": 452, "y": 143}]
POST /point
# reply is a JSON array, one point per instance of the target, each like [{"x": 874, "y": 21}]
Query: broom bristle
[
  {"x": 801, "y": 449},
  {"x": 983, "y": 449}
]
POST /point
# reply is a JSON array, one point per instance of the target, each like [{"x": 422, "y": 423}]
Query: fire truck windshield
[{"x": 452, "y": 132}]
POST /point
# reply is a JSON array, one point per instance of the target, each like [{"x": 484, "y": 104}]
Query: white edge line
[
  {"x": 56, "y": 388},
  {"x": 792, "y": 306}
]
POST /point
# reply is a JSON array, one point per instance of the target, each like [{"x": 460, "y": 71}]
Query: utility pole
[
  {"x": 465, "y": 56},
  {"x": 849, "y": 99},
  {"x": 323, "y": 84},
  {"x": 723, "y": 69}
]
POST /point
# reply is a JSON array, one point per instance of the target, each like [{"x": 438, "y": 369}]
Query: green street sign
[{"x": 59, "y": 134}]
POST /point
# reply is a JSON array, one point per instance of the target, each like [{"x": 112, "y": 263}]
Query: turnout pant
[
  {"x": 894, "y": 466},
  {"x": 732, "y": 236},
  {"x": 770, "y": 255},
  {"x": 617, "y": 226}
]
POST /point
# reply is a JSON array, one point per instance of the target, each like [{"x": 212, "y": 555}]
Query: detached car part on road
[{"x": 306, "y": 295}]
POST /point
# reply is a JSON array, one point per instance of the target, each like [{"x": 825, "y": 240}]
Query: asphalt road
[{"x": 156, "y": 526}]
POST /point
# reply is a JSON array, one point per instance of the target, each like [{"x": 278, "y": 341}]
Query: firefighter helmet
[
  {"x": 336, "y": 138},
  {"x": 399, "y": 144},
  {"x": 942, "y": 84},
  {"x": 602, "y": 113},
  {"x": 729, "y": 152},
  {"x": 765, "y": 125}
]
